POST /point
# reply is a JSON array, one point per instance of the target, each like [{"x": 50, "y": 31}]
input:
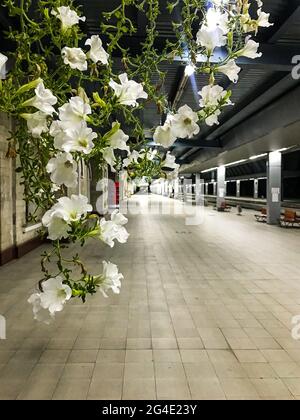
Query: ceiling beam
[
  {"x": 203, "y": 144},
  {"x": 274, "y": 57}
]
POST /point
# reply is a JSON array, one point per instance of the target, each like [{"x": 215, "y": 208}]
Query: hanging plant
[{"x": 66, "y": 102}]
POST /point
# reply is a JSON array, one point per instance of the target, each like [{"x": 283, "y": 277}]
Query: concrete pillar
[
  {"x": 274, "y": 171},
  {"x": 255, "y": 188},
  {"x": 215, "y": 189},
  {"x": 199, "y": 191},
  {"x": 221, "y": 186},
  {"x": 238, "y": 188}
]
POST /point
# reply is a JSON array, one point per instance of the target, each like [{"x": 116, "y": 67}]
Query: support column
[
  {"x": 215, "y": 188},
  {"x": 199, "y": 190},
  {"x": 221, "y": 186},
  {"x": 255, "y": 189},
  {"x": 274, "y": 171},
  {"x": 238, "y": 188}
]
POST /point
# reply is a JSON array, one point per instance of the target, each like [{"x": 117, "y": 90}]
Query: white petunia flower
[
  {"x": 231, "y": 70},
  {"x": 39, "y": 313},
  {"x": 118, "y": 218},
  {"x": 3, "y": 60},
  {"x": 249, "y": 50},
  {"x": 169, "y": 162},
  {"x": 75, "y": 207},
  {"x": 55, "y": 294},
  {"x": 63, "y": 170},
  {"x": 64, "y": 212},
  {"x": 211, "y": 38},
  {"x": 128, "y": 91},
  {"x": 75, "y": 58},
  {"x": 211, "y": 95},
  {"x": 263, "y": 19},
  {"x": 216, "y": 19},
  {"x": 109, "y": 157},
  {"x": 78, "y": 139},
  {"x": 132, "y": 158},
  {"x": 67, "y": 16},
  {"x": 118, "y": 140},
  {"x": 164, "y": 134},
  {"x": 111, "y": 230},
  {"x": 56, "y": 221},
  {"x": 213, "y": 118},
  {"x": 36, "y": 123},
  {"x": 184, "y": 123},
  {"x": 73, "y": 112},
  {"x": 43, "y": 100},
  {"x": 97, "y": 52},
  {"x": 111, "y": 279}
]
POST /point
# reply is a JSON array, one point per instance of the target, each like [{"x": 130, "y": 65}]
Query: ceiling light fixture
[
  {"x": 258, "y": 156},
  {"x": 208, "y": 170},
  {"x": 281, "y": 150},
  {"x": 236, "y": 163}
]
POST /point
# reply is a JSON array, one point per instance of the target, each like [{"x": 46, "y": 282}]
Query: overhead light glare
[
  {"x": 208, "y": 170},
  {"x": 189, "y": 70},
  {"x": 258, "y": 156},
  {"x": 281, "y": 150},
  {"x": 236, "y": 163}
]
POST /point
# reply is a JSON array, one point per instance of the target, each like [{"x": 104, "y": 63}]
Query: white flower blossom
[
  {"x": 211, "y": 95},
  {"x": 250, "y": 49},
  {"x": 110, "y": 279},
  {"x": 129, "y": 91},
  {"x": 3, "y": 60},
  {"x": 67, "y": 16},
  {"x": 263, "y": 19},
  {"x": 210, "y": 38},
  {"x": 118, "y": 140},
  {"x": 109, "y": 157},
  {"x": 73, "y": 112},
  {"x": 212, "y": 119},
  {"x": 216, "y": 19},
  {"x": 169, "y": 162},
  {"x": 97, "y": 52},
  {"x": 164, "y": 134},
  {"x": 56, "y": 221},
  {"x": 184, "y": 123},
  {"x": 53, "y": 298},
  {"x": 111, "y": 230},
  {"x": 75, "y": 207},
  {"x": 63, "y": 170},
  {"x": 39, "y": 313},
  {"x": 64, "y": 212},
  {"x": 37, "y": 123},
  {"x": 132, "y": 158},
  {"x": 77, "y": 139},
  {"x": 231, "y": 70},
  {"x": 75, "y": 58},
  {"x": 43, "y": 100}
]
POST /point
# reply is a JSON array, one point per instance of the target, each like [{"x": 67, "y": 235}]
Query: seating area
[
  {"x": 290, "y": 219},
  {"x": 224, "y": 207},
  {"x": 262, "y": 217}
]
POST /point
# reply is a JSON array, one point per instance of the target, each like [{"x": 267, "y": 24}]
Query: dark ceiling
[{"x": 262, "y": 81}]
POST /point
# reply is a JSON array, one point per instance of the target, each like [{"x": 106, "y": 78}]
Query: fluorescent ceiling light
[
  {"x": 236, "y": 163},
  {"x": 189, "y": 70},
  {"x": 208, "y": 170},
  {"x": 258, "y": 156},
  {"x": 281, "y": 150}
]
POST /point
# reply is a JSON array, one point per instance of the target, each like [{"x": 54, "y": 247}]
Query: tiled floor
[{"x": 204, "y": 313}]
